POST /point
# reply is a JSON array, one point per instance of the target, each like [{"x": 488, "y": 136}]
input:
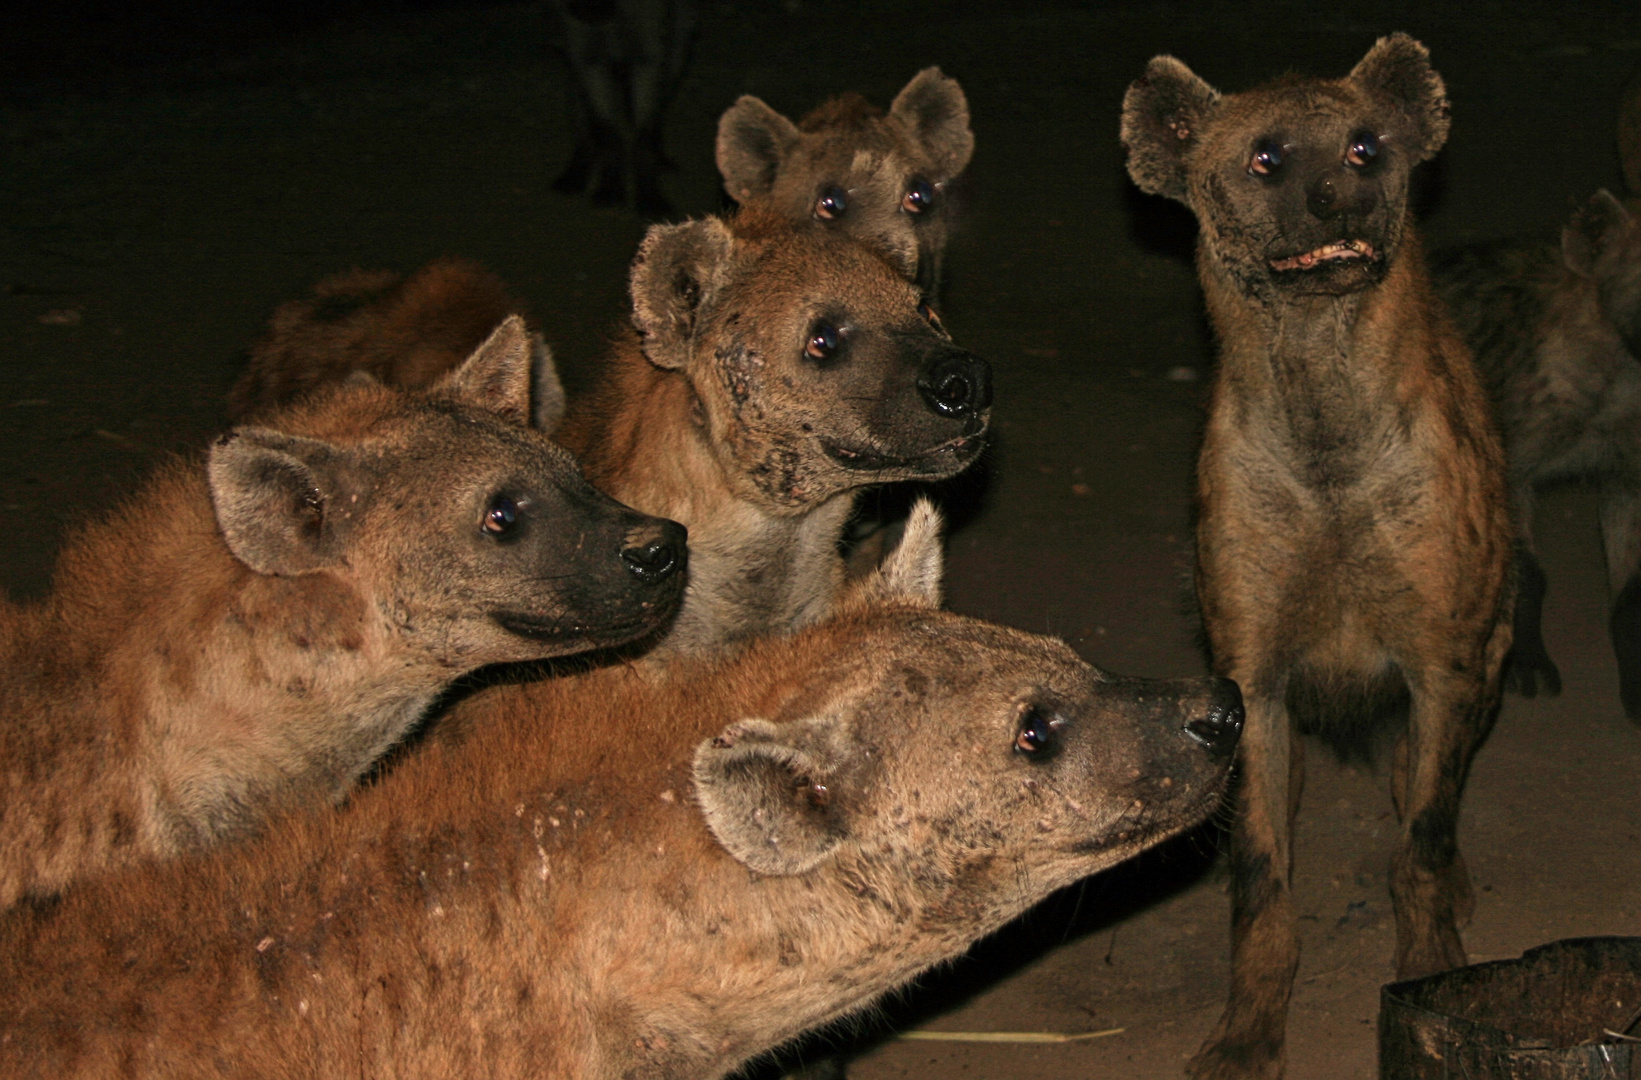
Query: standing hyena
[
  {"x": 1556, "y": 333},
  {"x": 1353, "y": 543},
  {"x": 252, "y": 632},
  {"x": 773, "y": 370},
  {"x": 882, "y": 177}
]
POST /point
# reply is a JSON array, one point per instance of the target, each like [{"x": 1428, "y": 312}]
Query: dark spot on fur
[
  {"x": 122, "y": 830},
  {"x": 1431, "y": 840},
  {"x": 1353, "y": 715},
  {"x": 1253, "y": 887}
]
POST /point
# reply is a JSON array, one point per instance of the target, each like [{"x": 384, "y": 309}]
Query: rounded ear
[
  {"x": 1398, "y": 68},
  {"x": 933, "y": 109},
  {"x": 753, "y": 140},
  {"x": 278, "y": 500},
  {"x": 1163, "y": 114},
  {"x": 546, "y": 391},
  {"x": 771, "y": 795},
  {"x": 496, "y": 377},
  {"x": 678, "y": 269},
  {"x": 912, "y": 573},
  {"x": 1592, "y": 228}
]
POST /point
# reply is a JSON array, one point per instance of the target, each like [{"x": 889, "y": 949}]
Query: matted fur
[
  {"x": 546, "y": 900},
  {"x": 1353, "y": 535},
  {"x": 251, "y": 632}
]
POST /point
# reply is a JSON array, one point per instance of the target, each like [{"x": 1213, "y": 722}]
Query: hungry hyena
[
  {"x": 253, "y": 631},
  {"x": 882, "y": 177},
  {"x": 636, "y": 877},
  {"x": 1556, "y": 332},
  {"x": 775, "y": 367},
  {"x": 1353, "y": 541}
]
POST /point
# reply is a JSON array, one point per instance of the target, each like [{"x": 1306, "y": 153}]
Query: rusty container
[{"x": 1560, "y": 1012}]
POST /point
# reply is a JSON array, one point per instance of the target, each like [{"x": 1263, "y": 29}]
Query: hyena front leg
[
  {"x": 1248, "y": 1040},
  {"x": 1429, "y": 884},
  {"x": 1621, "y": 536},
  {"x": 1529, "y": 666}
]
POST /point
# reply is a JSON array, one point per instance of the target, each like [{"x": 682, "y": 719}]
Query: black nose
[
  {"x": 1220, "y": 726},
  {"x": 956, "y": 384},
  {"x": 1321, "y": 199},
  {"x": 658, "y": 553}
]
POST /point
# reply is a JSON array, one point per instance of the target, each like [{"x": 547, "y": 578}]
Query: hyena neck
[
  {"x": 643, "y": 440},
  {"x": 1326, "y": 377}
]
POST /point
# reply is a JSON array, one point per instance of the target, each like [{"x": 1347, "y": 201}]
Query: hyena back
[{"x": 1353, "y": 543}]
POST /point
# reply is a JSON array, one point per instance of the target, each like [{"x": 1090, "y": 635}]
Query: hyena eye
[
  {"x": 501, "y": 517},
  {"x": 1038, "y": 730},
  {"x": 1267, "y": 159},
  {"x": 832, "y": 203},
  {"x": 929, "y": 315},
  {"x": 1364, "y": 148},
  {"x": 918, "y": 198},
  {"x": 825, "y": 342}
]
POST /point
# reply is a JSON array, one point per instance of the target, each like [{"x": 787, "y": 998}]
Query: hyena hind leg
[
  {"x": 1528, "y": 667},
  {"x": 1621, "y": 537}
]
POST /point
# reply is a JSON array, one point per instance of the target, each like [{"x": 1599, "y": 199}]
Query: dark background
[{"x": 170, "y": 173}]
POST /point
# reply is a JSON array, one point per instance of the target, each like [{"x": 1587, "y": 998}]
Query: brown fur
[
  {"x": 1353, "y": 538},
  {"x": 251, "y": 632},
  {"x": 878, "y": 161},
  {"x": 546, "y": 900},
  {"x": 711, "y": 413},
  {"x": 374, "y": 321}
]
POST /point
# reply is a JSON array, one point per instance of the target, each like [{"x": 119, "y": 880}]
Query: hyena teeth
[{"x": 1342, "y": 249}]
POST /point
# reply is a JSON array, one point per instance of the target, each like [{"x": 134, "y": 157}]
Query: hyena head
[
  {"x": 473, "y": 538},
  {"x": 949, "y": 763},
  {"x": 817, "y": 368},
  {"x": 1300, "y": 186},
  {"x": 1603, "y": 243},
  {"x": 880, "y": 177}
]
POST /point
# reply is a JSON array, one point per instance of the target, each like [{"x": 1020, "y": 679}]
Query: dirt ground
[{"x": 167, "y": 181}]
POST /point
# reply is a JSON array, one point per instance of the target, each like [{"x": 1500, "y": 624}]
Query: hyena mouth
[
  {"x": 862, "y": 460},
  {"x": 1327, "y": 253},
  {"x": 561, "y": 630}
]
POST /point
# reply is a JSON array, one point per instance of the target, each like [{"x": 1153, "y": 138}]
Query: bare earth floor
[{"x": 159, "y": 194}]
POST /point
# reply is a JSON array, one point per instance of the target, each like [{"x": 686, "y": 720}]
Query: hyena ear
[
  {"x": 912, "y": 573},
  {"x": 775, "y": 795},
  {"x": 1163, "y": 114},
  {"x": 496, "y": 377},
  {"x": 753, "y": 140},
  {"x": 1398, "y": 68},
  {"x": 1591, "y": 231},
  {"x": 678, "y": 269},
  {"x": 279, "y": 500},
  {"x": 546, "y": 391},
  {"x": 932, "y": 107}
]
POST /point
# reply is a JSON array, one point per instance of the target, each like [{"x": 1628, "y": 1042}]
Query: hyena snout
[
  {"x": 1217, "y": 725},
  {"x": 956, "y": 384},
  {"x": 1329, "y": 197},
  {"x": 656, "y": 552}
]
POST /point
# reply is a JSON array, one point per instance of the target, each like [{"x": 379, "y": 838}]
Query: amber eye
[
  {"x": 825, "y": 342},
  {"x": 1267, "y": 159},
  {"x": 832, "y": 203},
  {"x": 918, "y": 198},
  {"x": 1037, "y": 732},
  {"x": 500, "y": 517},
  {"x": 1364, "y": 149},
  {"x": 929, "y": 315}
]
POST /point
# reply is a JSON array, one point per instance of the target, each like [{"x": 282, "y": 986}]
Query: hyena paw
[
  {"x": 1527, "y": 670},
  {"x": 1442, "y": 951},
  {"x": 1233, "y": 1059}
]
